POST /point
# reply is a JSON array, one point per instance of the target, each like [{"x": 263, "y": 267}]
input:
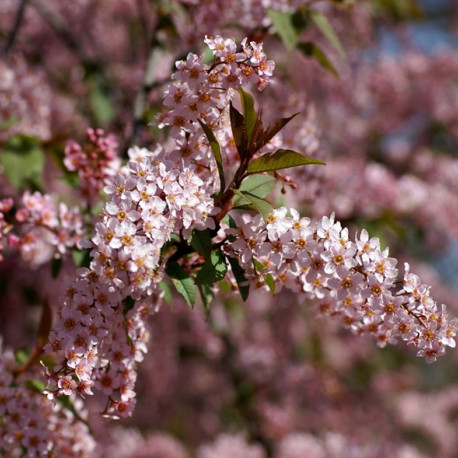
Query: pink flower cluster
[
  {"x": 101, "y": 328},
  {"x": 42, "y": 230},
  {"x": 30, "y": 426},
  {"x": 354, "y": 280},
  {"x": 202, "y": 92},
  {"x": 25, "y": 99},
  {"x": 96, "y": 162}
]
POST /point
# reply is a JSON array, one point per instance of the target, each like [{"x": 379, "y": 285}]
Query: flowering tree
[{"x": 223, "y": 210}]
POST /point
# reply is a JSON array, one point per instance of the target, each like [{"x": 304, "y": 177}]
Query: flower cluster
[
  {"x": 30, "y": 426},
  {"x": 96, "y": 162},
  {"x": 25, "y": 99},
  {"x": 353, "y": 280},
  {"x": 202, "y": 92},
  {"x": 101, "y": 328},
  {"x": 42, "y": 230}
]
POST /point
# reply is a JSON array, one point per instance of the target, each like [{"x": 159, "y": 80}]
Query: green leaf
[
  {"x": 213, "y": 270},
  {"x": 100, "y": 101},
  {"x": 238, "y": 131},
  {"x": 81, "y": 258},
  {"x": 239, "y": 275},
  {"x": 67, "y": 403},
  {"x": 56, "y": 266},
  {"x": 267, "y": 277},
  {"x": 45, "y": 324},
  {"x": 312, "y": 50},
  {"x": 229, "y": 221},
  {"x": 71, "y": 179},
  {"x": 35, "y": 385},
  {"x": 270, "y": 283},
  {"x": 216, "y": 153},
  {"x": 257, "y": 135},
  {"x": 261, "y": 205},
  {"x": 127, "y": 304},
  {"x": 22, "y": 355},
  {"x": 182, "y": 283},
  {"x": 8, "y": 123},
  {"x": 201, "y": 241},
  {"x": 167, "y": 292},
  {"x": 283, "y": 23},
  {"x": 22, "y": 160},
  {"x": 207, "y": 295},
  {"x": 273, "y": 130},
  {"x": 281, "y": 159},
  {"x": 249, "y": 112},
  {"x": 258, "y": 185},
  {"x": 326, "y": 28}
]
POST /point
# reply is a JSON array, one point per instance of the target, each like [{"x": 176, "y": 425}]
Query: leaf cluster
[{"x": 289, "y": 26}]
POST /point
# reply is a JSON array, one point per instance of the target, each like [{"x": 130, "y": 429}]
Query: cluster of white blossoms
[
  {"x": 101, "y": 333},
  {"x": 202, "y": 92},
  {"x": 41, "y": 229},
  {"x": 353, "y": 280},
  {"x": 30, "y": 425}
]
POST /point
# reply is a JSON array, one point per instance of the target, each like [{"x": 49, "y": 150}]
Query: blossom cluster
[
  {"x": 24, "y": 101},
  {"x": 40, "y": 230},
  {"x": 353, "y": 280},
  {"x": 101, "y": 333},
  {"x": 30, "y": 423},
  {"x": 96, "y": 162},
  {"x": 202, "y": 92}
]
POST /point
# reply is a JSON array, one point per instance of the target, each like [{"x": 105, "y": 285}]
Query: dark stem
[{"x": 17, "y": 25}]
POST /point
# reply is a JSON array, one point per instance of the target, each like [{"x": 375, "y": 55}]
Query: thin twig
[{"x": 17, "y": 25}]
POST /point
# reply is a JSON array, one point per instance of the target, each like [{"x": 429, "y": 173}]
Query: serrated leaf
[
  {"x": 312, "y": 50},
  {"x": 182, "y": 283},
  {"x": 207, "y": 295},
  {"x": 249, "y": 112},
  {"x": 213, "y": 270},
  {"x": 216, "y": 153},
  {"x": 273, "y": 130},
  {"x": 239, "y": 275},
  {"x": 261, "y": 205},
  {"x": 22, "y": 160},
  {"x": 283, "y": 23},
  {"x": 238, "y": 130},
  {"x": 326, "y": 28},
  {"x": 201, "y": 241},
  {"x": 281, "y": 159},
  {"x": 258, "y": 185}
]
